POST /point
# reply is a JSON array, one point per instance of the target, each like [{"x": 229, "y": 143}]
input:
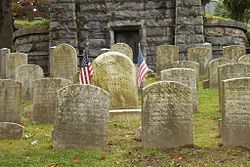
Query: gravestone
[
  {"x": 10, "y": 100},
  {"x": 76, "y": 77},
  {"x": 3, "y": 52},
  {"x": 122, "y": 48},
  {"x": 63, "y": 61},
  {"x": 167, "y": 115},
  {"x": 165, "y": 56},
  {"x": 202, "y": 55},
  {"x": 234, "y": 52},
  {"x": 10, "y": 130},
  {"x": 213, "y": 71},
  {"x": 26, "y": 74},
  {"x": 115, "y": 73},
  {"x": 44, "y": 98},
  {"x": 236, "y": 112},
  {"x": 81, "y": 117},
  {"x": 186, "y": 76},
  {"x": 11, "y": 62},
  {"x": 244, "y": 59},
  {"x": 229, "y": 71}
]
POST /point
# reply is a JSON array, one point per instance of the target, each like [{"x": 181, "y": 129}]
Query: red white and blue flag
[
  {"x": 86, "y": 71},
  {"x": 142, "y": 68}
]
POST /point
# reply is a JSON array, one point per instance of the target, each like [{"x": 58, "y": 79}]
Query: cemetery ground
[{"x": 35, "y": 149}]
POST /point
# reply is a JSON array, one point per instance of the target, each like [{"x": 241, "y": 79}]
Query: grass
[
  {"x": 23, "y": 23},
  {"x": 210, "y": 17},
  {"x": 35, "y": 149}
]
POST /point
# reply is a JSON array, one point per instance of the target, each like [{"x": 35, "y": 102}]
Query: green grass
[
  {"x": 123, "y": 150},
  {"x": 248, "y": 28},
  {"x": 22, "y": 23},
  {"x": 210, "y": 17}
]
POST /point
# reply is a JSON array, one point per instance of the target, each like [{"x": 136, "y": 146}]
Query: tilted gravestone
[
  {"x": 236, "y": 112},
  {"x": 201, "y": 55},
  {"x": 11, "y": 62},
  {"x": 115, "y": 73},
  {"x": 3, "y": 52},
  {"x": 10, "y": 130},
  {"x": 81, "y": 117},
  {"x": 234, "y": 52},
  {"x": 213, "y": 71},
  {"x": 244, "y": 59},
  {"x": 75, "y": 79},
  {"x": 122, "y": 48},
  {"x": 165, "y": 56},
  {"x": 44, "y": 98},
  {"x": 26, "y": 74},
  {"x": 10, "y": 100},
  {"x": 63, "y": 61},
  {"x": 167, "y": 115},
  {"x": 186, "y": 76},
  {"x": 229, "y": 71}
]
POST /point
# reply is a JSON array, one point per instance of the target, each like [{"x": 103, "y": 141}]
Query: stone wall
[{"x": 222, "y": 33}]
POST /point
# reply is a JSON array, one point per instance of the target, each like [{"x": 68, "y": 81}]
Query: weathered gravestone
[
  {"x": 186, "y": 76},
  {"x": 213, "y": 71},
  {"x": 167, "y": 115},
  {"x": 26, "y": 74},
  {"x": 236, "y": 112},
  {"x": 229, "y": 71},
  {"x": 165, "y": 56},
  {"x": 244, "y": 59},
  {"x": 10, "y": 130},
  {"x": 11, "y": 62},
  {"x": 63, "y": 61},
  {"x": 76, "y": 77},
  {"x": 44, "y": 98},
  {"x": 10, "y": 100},
  {"x": 3, "y": 52},
  {"x": 233, "y": 52},
  {"x": 202, "y": 55},
  {"x": 115, "y": 73},
  {"x": 122, "y": 48},
  {"x": 81, "y": 117}
]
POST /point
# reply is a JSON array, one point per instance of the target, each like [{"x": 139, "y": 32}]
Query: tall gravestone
[
  {"x": 244, "y": 59},
  {"x": 201, "y": 55},
  {"x": 167, "y": 115},
  {"x": 26, "y": 74},
  {"x": 10, "y": 130},
  {"x": 63, "y": 61},
  {"x": 11, "y": 62},
  {"x": 44, "y": 98},
  {"x": 213, "y": 71},
  {"x": 229, "y": 71},
  {"x": 122, "y": 48},
  {"x": 186, "y": 76},
  {"x": 81, "y": 117},
  {"x": 115, "y": 73},
  {"x": 3, "y": 52},
  {"x": 165, "y": 56},
  {"x": 10, "y": 100},
  {"x": 234, "y": 52},
  {"x": 236, "y": 112}
]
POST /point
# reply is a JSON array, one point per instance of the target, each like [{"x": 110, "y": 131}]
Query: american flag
[
  {"x": 142, "y": 68},
  {"x": 86, "y": 71}
]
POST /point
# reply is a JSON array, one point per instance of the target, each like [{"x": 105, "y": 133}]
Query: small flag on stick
[
  {"x": 142, "y": 68},
  {"x": 86, "y": 71}
]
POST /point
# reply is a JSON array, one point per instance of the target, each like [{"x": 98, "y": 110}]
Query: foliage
[
  {"x": 22, "y": 23},
  {"x": 220, "y": 10},
  {"x": 210, "y": 17}
]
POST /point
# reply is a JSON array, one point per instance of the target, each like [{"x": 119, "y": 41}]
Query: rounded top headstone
[{"x": 122, "y": 48}]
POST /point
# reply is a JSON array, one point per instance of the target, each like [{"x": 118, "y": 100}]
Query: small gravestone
[
  {"x": 186, "y": 76},
  {"x": 63, "y": 61},
  {"x": 10, "y": 100},
  {"x": 81, "y": 117},
  {"x": 213, "y": 71},
  {"x": 167, "y": 115},
  {"x": 115, "y": 73},
  {"x": 10, "y": 130},
  {"x": 234, "y": 52},
  {"x": 11, "y": 62},
  {"x": 76, "y": 78},
  {"x": 26, "y": 74},
  {"x": 122, "y": 48},
  {"x": 3, "y": 52},
  {"x": 201, "y": 55},
  {"x": 229, "y": 71},
  {"x": 165, "y": 56},
  {"x": 244, "y": 59},
  {"x": 44, "y": 98},
  {"x": 236, "y": 112}
]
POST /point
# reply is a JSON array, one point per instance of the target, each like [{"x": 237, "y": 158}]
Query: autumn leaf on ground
[{"x": 76, "y": 160}]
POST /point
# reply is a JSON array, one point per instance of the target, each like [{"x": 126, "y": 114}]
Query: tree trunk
[{"x": 6, "y": 24}]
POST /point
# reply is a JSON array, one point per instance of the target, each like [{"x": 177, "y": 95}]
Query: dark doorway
[{"x": 130, "y": 37}]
